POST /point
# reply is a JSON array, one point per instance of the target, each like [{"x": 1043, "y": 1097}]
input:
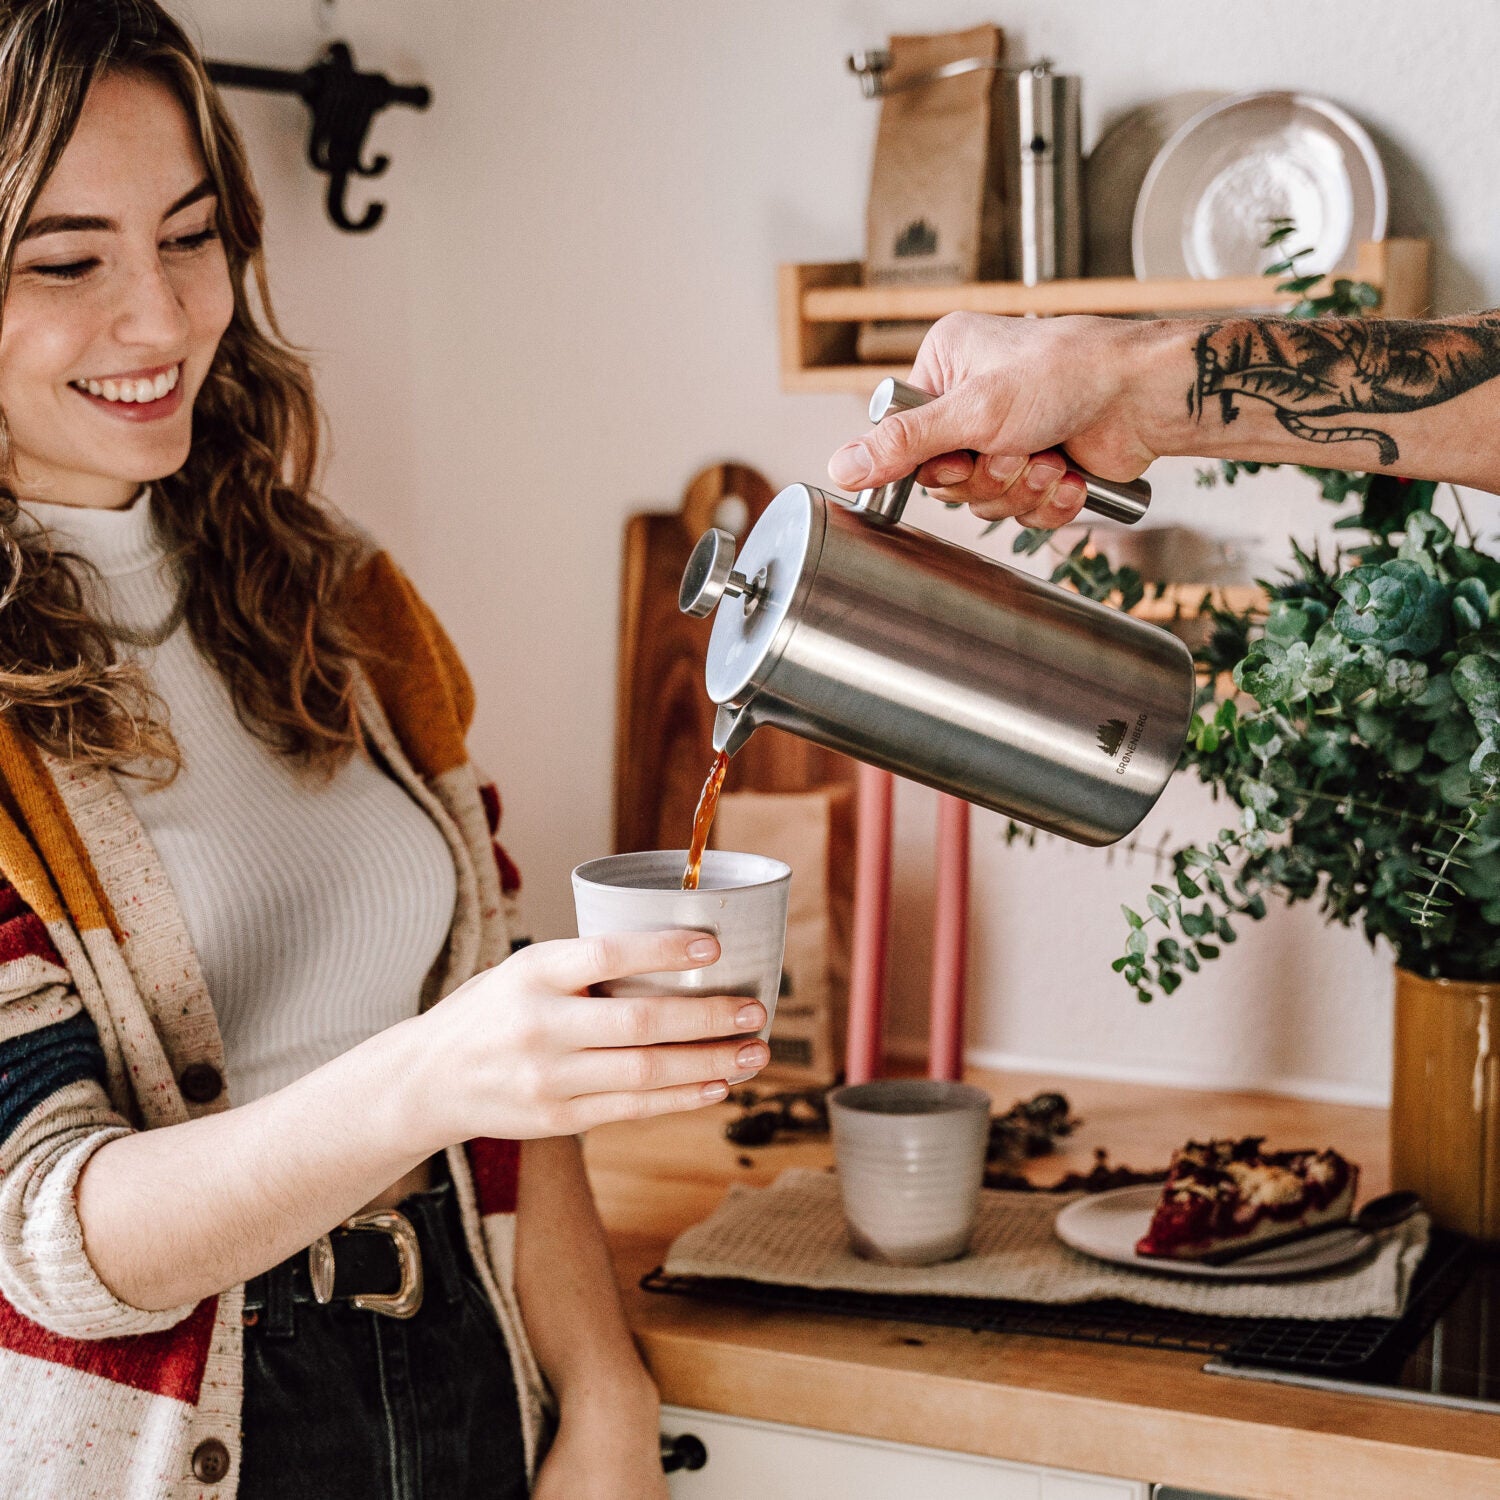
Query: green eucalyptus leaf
[
  {"x": 1476, "y": 680},
  {"x": 1268, "y": 671},
  {"x": 1405, "y": 755},
  {"x": 1466, "y": 617},
  {"x": 1452, "y": 738},
  {"x": 1295, "y": 619},
  {"x": 1453, "y": 786},
  {"x": 1373, "y": 727},
  {"x": 1395, "y": 604},
  {"x": 1405, "y": 681},
  {"x": 1485, "y": 761},
  {"x": 1253, "y": 793}
]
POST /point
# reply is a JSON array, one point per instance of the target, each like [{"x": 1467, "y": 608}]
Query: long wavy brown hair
[{"x": 262, "y": 562}]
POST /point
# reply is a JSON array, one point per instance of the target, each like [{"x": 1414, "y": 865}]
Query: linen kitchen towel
[{"x": 793, "y": 1234}]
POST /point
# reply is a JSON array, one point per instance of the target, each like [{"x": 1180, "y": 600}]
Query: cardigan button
[
  {"x": 210, "y": 1461},
  {"x": 201, "y": 1083}
]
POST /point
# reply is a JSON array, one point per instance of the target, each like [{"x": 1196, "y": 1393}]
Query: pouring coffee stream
[
  {"x": 703, "y": 820},
  {"x": 839, "y": 623}
]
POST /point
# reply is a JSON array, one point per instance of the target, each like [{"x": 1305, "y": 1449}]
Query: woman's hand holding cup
[{"x": 525, "y": 1051}]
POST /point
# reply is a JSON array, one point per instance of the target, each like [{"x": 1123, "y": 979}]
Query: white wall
[{"x": 570, "y": 308}]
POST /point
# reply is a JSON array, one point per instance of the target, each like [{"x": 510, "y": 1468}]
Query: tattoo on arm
[{"x": 1316, "y": 375}]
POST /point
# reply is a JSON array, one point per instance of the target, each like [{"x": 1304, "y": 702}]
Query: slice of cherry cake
[{"x": 1223, "y": 1193}]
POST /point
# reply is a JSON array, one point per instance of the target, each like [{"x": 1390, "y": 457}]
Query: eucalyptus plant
[{"x": 1353, "y": 722}]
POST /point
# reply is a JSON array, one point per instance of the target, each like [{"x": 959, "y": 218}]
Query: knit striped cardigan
[{"x": 103, "y": 1010}]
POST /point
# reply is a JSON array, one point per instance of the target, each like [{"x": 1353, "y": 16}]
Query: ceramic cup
[
  {"x": 910, "y": 1154},
  {"x": 741, "y": 899}
]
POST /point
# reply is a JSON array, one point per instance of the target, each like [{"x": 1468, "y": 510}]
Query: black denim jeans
[{"x": 344, "y": 1403}]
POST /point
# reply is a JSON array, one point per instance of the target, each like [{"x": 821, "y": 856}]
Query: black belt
[{"x": 377, "y": 1261}]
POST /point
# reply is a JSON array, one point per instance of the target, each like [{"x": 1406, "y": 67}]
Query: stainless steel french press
[{"x": 842, "y": 625}]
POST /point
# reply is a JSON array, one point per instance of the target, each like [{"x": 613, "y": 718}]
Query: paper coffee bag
[{"x": 935, "y": 213}]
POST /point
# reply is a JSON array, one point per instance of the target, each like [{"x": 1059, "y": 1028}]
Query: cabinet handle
[{"x": 685, "y": 1452}]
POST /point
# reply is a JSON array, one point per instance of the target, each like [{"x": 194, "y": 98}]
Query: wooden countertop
[{"x": 1135, "y": 1413}]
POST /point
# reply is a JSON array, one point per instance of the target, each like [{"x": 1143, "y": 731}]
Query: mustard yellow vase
[{"x": 1445, "y": 1100}]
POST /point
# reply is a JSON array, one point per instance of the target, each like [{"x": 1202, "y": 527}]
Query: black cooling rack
[{"x": 1287, "y": 1343}]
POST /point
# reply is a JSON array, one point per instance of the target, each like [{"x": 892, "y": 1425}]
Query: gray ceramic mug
[
  {"x": 910, "y": 1154},
  {"x": 741, "y": 899}
]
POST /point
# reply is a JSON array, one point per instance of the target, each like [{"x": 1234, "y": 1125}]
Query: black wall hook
[{"x": 343, "y": 102}]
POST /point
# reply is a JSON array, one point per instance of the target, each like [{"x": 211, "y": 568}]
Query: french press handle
[{"x": 1124, "y": 500}]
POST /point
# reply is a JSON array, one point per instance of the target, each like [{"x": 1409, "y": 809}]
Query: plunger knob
[{"x": 710, "y": 575}]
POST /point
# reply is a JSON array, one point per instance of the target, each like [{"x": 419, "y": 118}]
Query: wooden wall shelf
[{"x": 822, "y": 306}]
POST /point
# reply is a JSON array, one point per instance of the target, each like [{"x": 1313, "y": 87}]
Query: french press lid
[{"x": 767, "y": 578}]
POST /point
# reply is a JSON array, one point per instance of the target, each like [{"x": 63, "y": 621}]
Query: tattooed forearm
[{"x": 1318, "y": 375}]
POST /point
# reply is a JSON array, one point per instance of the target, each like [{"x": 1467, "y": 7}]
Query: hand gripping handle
[{"x": 1125, "y": 500}]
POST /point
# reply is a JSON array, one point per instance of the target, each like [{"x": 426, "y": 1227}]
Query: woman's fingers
[
  {"x": 617, "y": 1070},
  {"x": 571, "y": 965},
  {"x": 616, "y": 1021},
  {"x": 589, "y": 1110}
]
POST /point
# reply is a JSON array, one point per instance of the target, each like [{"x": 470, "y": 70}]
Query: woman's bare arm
[
  {"x": 607, "y": 1405},
  {"x": 176, "y": 1214}
]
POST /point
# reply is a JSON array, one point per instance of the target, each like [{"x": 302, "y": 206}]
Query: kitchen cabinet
[
  {"x": 821, "y": 306},
  {"x": 750, "y": 1460}
]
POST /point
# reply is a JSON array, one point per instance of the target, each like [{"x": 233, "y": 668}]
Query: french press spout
[{"x": 839, "y": 623}]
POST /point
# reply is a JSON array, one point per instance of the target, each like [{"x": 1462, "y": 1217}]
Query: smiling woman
[
  {"x": 127, "y": 259},
  {"x": 244, "y": 855}
]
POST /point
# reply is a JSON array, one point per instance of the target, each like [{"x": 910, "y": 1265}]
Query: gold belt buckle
[{"x": 407, "y": 1298}]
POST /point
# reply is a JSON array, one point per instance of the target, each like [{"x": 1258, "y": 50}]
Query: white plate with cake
[{"x": 1223, "y": 1198}]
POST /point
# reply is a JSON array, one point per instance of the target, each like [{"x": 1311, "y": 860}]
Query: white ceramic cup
[
  {"x": 741, "y": 899},
  {"x": 910, "y": 1154}
]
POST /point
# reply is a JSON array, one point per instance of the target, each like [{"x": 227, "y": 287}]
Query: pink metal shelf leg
[
  {"x": 950, "y": 941},
  {"x": 871, "y": 936}
]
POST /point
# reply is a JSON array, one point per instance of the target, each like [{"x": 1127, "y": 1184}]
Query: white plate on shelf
[
  {"x": 1107, "y": 1225},
  {"x": 1115, "y": 169},
  {"x": 1205, "y": 207}
]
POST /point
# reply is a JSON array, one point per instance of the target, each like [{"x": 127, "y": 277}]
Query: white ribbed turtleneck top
[{"x": 316, "y": 906}]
